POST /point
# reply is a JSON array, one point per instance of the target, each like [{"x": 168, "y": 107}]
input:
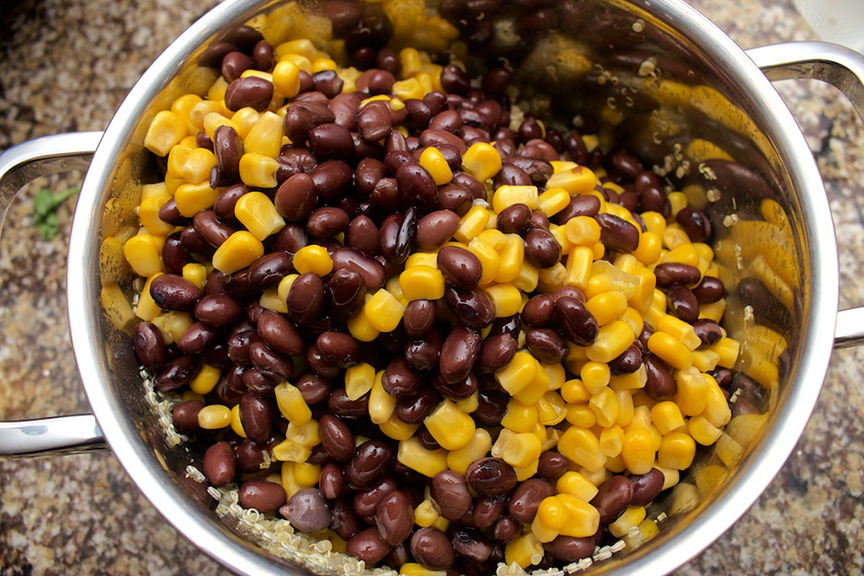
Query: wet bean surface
[{"x": 329, "y": 375}]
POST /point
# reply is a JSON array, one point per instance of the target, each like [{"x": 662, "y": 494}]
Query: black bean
[
  {"x": 220, "y": 464},
  {"x": 490, "y": 476},
  {"x": 251, "y": 91},
  {"x": 261, "y": 495},
  {"x": 150, "y": 348}
]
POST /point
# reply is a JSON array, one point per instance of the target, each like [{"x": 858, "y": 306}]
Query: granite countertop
[{"x": 66, "y": 65}]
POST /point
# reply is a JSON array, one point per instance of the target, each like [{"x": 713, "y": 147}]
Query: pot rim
[{"x": 753, "y": 475}]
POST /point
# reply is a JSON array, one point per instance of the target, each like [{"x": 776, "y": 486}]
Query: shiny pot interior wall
[{"x": 616, "y": 71}]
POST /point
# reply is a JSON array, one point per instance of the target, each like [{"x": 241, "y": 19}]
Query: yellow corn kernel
[
  {"x": 560, "y": 235},
  {"x": 692, "y": 392},
  {"x": 670, "y": 350},
  {"x": 638, "y": 451},
  {"x": 519, "y": 417},
  {"x": 142, "y": 255},
  {"x": 677, "y": 451},
  {"x": 291, "y": 404},
  {"x": 479, "y": 445},
  {"x": 265, "y": 138},
  {"x": 528, "y": 278},
  {"x": 581, "y": 415},
  {"x": 306, "y": 474},
  {"x": 682, "y": 331},
  {"x": 716, "y": 410},
  {"x": 625, "y": 407},
  {"x": 713, "y": 311},
  {"x": 383, "y": 311},
  {"x": 147, "y": 309},
  {"x": 361, "y": 329},
  {"x": 578, "y": 180},
  {"x": 426, "y": 462},
  {"x": 511, "y": 259},
  {"x": 408, "y": 89},
  {"x": 667, "y": 417},
  {"x": 239, "y": 251},
  {"x": 214, "y": 120},
  {"x": 654, "y": 222},
  {"x": 728, "y": 350},
  {"x": 305, "y": 435},
  {"x": 605, "y": 405},
  {"x": 582, "y": 447},
  {"x": 469, "y": 404},
  {"x": 471, "y": 224},
  {"x": 425, "y": 514},
  {"x": 685, "y": 254},
  {"x": 245, "y": 119},
  {"x": 148, "y": 213},
  {"x": 551, "y": 409},
  {"x": 632, "y": 381},
  {"x": 649, "y": 248},
  {"x": 582, "y": 231},
  {"x": 674, "y": 236},
  {"x": 494, "y": 238},
  {"x": 196, "y": 168},
  {"x": 631, "y": 517},
  {"x": 290, "y": 451},
  {"x": 579, "y": 264},
  {"x": 214, "y": 417},
  {"x": 196, "y": 274},
  {"x": 411, "y": 62},
  {"x": 206, "y": 379},
  {"x": 397, "y": 429},
  {"x": 506, "y": 298},
  {"x": 271, "y": 301},
  {"x": 422, "y": 283},
  {"x": 553, "y": 200},
  {"x": 521, "y": 450},
  {"x": 166, "y": 130},
  {"x": 286, "y": 78},
  {"x": 321, "y": 64},
  {"x": 507, "y": 196},
  {"x": 288, "y": 480},
  {"x": 490, "y": 261},
  {"x": 258, "y": 214},
  {"x": 525, "y": 551},
  {"x": 482, "y": 161},
  {"x": 381, "y": 404},
  {"x": 359, "y": 380},
  {"x": 575, "y": 392},
  {"x": 192, "y": 198},
  {"x": 189, "y": 395},
  {"x": 553, "y": 513},
  {"x": 577, "y": 485},
  {"x": 434, "y": 162},
  {"x": 595, "y": 376},
  {"x": 633, "y": 319},
  {"x": 204, "y": 108},
  {"x": 422, "y": 259},
  {"x": 534, "y": 391},
  {"x": 172, "y": 325},
  {"x": 705, "y": 360},
  {"x": 527, "y": 472},
  {"x": 612, "y": 441},
  {"x": 607, "y": 307},
  {"x": 611, "y": 341},
  {"x": 643, "y": 296},
  {"x": 542, "y": 532},
  {"x": 677, "y": 202},
  {"x": 518, "y": 373},
  {"x": 258, "y": 171},
  {"x": 703, "y": 431},
  {"x": 450, "y": 427},
  {"x": 183, "y": 108},
  {"x": 584, "y": 519},
  {"x": 312, "y": 258}
]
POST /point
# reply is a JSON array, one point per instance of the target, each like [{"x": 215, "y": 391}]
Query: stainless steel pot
[{"x": 667, "y": 84}]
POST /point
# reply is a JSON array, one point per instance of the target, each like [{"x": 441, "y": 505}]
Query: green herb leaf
[{"x": 45, "y": 205}]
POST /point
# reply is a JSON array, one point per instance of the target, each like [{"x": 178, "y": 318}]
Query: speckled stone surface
[{"x": 66, "y": 65}]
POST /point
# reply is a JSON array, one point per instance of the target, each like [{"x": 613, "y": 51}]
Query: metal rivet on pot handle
[
  {"x": 18, "y": 166},
  {"x": 843, "y": 68}
]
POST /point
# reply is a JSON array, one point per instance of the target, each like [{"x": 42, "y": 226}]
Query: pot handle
[
  {"x": 843, "y": 68},
  {"x": 18, "y": 166}
]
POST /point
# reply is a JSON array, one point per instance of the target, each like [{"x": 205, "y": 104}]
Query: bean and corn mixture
[{"x": 414, "y": 321}]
